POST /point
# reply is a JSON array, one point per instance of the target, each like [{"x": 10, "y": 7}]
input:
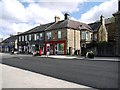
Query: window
[
  {"x": 25, "y": 37},
  {"x": 83, "y": 35},
  {"x": 29, "y": 37},
  {"x": 35, "y": 37},
  {"x": 19, "y": 38},
  {"x": 95, "y": 37},
  {"x": 49, "y": 35},
  {"x": 22, "y": 38},
  {"x": 86, "y": 36},
  {"x": 41, "y": 36},
  {"x": 59, "y": 34},
  {"x": 60, "y": 47}
]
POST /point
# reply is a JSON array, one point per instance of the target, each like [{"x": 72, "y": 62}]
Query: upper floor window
[
  {"x": 41, "y": 36},
  {"x": 25, "y": 37},
  {"x": 19, "y": 38},
  {"x": 29, "y": 37},
  {"x": 49, "y": 35},
  {"x": 83, "y": 35},
  {"x": 22, "y": 38},
  {"x": 35, "y": 37},
  {"x": 95, "y": 37},
  {"x": 59, "y": 34},
  {"x": 86, "y": 36}
]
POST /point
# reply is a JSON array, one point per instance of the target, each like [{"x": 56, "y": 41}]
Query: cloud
[
  {"x": 16, "y": 17},
  {"x": 22, "y": 15},
  {"x": 106, "y": 9}
]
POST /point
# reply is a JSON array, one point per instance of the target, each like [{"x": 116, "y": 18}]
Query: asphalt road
[{"x": 96, "y": 74}]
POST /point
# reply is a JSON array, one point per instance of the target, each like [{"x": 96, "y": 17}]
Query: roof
[
  {"x": 37, "y": 29},
  {"x": 10, "y": 39},
  {"x": 95, "y": 26},
  {"x": 68, "y": 23}
]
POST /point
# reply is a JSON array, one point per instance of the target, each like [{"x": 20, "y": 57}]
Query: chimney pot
[
  {"x": 57, "y": 18},
  {"x": 66, "y": 15},
  {"x": 102, "y": 20}
]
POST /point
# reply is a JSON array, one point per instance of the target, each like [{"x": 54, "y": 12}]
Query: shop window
[{"x": 61, "y": 47}]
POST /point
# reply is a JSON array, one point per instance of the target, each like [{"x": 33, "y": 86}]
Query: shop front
[{"x": 55, "y": 47}]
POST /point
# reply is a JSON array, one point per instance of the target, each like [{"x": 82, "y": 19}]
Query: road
[{"x": 95, "y": 74}]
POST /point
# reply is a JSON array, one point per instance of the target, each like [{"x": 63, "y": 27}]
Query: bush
[{"x": 90, "y": 54}]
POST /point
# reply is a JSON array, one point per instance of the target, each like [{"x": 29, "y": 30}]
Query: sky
[{"x": 22, "y": 15}]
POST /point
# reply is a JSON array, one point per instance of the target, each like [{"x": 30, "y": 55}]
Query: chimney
[
  {"x": 57, "y": 18},
  {"x": 102, "y": 20},
  {"x": 119, "y": 5},
  {"x": 11, "y": 35},
  {"x": 66, "y": 15},
  {"x": 19, "y": 33}
]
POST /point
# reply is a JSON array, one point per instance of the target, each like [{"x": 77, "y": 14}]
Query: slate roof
[
  {"x": 68, "y": 23},
  {"x": 10, "y": 39},
  {"x": 95, "y": 26},
  {"x": 37, "y": 29}
]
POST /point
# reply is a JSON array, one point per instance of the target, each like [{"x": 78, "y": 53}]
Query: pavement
[
  {"x": 18, "y": 78},
  {"x": 70, "y": 57},
  {"x": 82, "y": 57}
]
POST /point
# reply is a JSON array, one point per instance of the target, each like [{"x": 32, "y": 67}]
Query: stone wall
[
  {"x": 102, "y": 34},
  {"x": 55, "y": 34},
  {"x": 73, "y": 39}
]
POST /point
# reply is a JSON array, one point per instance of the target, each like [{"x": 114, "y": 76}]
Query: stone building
[
  {"x": 57, "y": 37},
  {"x": 99, "y": 30},
  {"x": 33, "y": 39},
  {"x": 9, "y": 44},
  {"x": 117, "y": 23}
]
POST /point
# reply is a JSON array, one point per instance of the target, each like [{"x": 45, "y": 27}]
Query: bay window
[{"x": 83, "y": 35}]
